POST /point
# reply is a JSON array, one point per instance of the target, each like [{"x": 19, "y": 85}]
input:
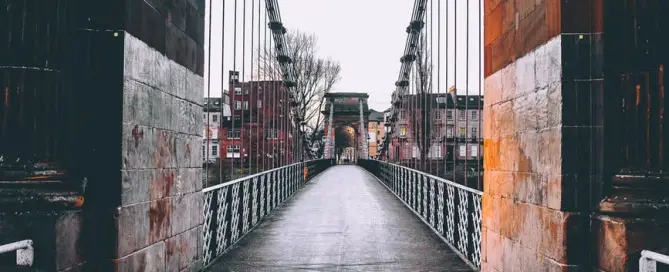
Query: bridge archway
[{"x": 346, "y": 110}]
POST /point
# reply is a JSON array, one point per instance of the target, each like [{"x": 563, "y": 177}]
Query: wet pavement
[{"x": 344, "y": 220}]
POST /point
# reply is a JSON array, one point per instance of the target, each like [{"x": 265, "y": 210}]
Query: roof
[
  {"x": 445, "y": 100},
  {"x": 360, "y": 95},
  {"x": 375, "y": 116},
  {"x": 215, "y": 104}
]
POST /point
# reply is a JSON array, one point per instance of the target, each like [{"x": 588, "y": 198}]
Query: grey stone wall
[{"x": 159, "y": 219}]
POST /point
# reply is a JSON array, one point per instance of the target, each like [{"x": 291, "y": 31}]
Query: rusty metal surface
[{"x": 344, "y": 220}]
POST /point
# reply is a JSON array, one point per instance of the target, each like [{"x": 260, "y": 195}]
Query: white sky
[{"x": 367, "y": 37}]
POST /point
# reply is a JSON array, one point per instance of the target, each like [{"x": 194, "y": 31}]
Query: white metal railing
[
  {"x": 648, "y": 261},
  {"x": 233, "y": 208},
  {"x": 24, "y": 252},
  {"x": 451, "y": 209}
]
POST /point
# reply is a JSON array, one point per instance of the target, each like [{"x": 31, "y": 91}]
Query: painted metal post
[
  {"x": 363, "y": 134},
  {"x": 329, "y": 139}
]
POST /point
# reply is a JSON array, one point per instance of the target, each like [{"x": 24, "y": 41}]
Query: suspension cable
[
  {"x": 233, "y": 100},
  {"x": 206, "y": 104}
]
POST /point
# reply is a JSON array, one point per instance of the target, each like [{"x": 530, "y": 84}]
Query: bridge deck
[{"x": 343, "y": 220}]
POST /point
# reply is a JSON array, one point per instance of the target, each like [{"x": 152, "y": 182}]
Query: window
[
  {"x": 449, "y": 132},
  {"x": 462, "y": 115},
  {"x": 401, "y": 114},
  {"x": 259, "y": 103},
  {"x": 437, "y": 115},
  {"x": 475, "y": 115},
  {"x": 214, "y": 118},
  {"x": 238, "y": 105},
  {"x": 246, "y": 91},
  {"x": 238, "y": 90},
  {"x": 403, "y": 131},
  {"x": 463, "y": 150},
  {"x": 233, "y": 149},
  {"x": 272, "y": 134},
  {"x": 449, "y": 115},
  {"x": 214, "y": 150},
  {"x": 474, "y": 132},
  {"x": 474, "y": 151},
  {"x": 463, "y": 132},
  {"x": 234, "y": 133},
  {"x": 246, "y": 105}
]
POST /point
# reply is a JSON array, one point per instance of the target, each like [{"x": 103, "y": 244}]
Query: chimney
[
  {"x": 453, "y": 92},
  {"x": 234, "y": 77}
]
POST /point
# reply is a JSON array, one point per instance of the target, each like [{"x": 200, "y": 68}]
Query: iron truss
[
  {"x": 285, "y": 61},
  {"x": 407, "y": 60}
]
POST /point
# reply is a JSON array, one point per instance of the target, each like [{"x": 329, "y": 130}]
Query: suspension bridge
[{"x": 112, "y": 159}]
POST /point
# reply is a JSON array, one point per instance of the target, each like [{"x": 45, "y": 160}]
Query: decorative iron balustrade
[
  {"x": 233, "y": 208},
  {"x": 451, "y": 209},
  {"x": 649, "y": 259}
]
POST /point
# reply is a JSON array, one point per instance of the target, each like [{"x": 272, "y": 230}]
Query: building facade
[
  {"x": 454, "y": 133},
  {"x": 215, "y": 111},
  {"x": 376, "y": 131},
  {"x": 259, "y": 132}
]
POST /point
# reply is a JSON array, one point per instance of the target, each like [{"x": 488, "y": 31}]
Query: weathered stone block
[
  {"x": 493, "y": 89},
  {"x": 541, "y": 108},
  {"x": 137, "y": 146},
  {"x": 182, "y": 250},
  {"x": 162, "y": 66},
  {"x": 508, "y": 208},
  {"x": 550, "y": 159},
  {"x": 135, "y": 186},
  {"x": 554, "y": 104},
  {"x": 526, "y": 74},
  {"x": 490, "y": 123},
  {"x": 187, "y": 212},
  {"x": 554, "y": 192},
  {"x": 163, "y": 183},
  {"x": 149, "y": 259},
  {"x": 136, "y": 104},
  {"x": 133, "y": 228},
  {"x": 163, "y": 154},
  {"x": 139, "y": 61},
  {"x": 160, "y": 219},
  {"x": 188, "y": 181},
  {"x": 506, "y": 115},
  {"x": 494, "y": 249},
  {"x": 509, "y": 82},
  {"x": 524, "y": 112},
  {"x": 509, "y": 153},
  {"x": 177, "y": 80},
  {"x": 162, "y": 110},
  {"x": 69, "y": 247},
  {"x": 549, "y": 62},
  {"x": 194, "y": 88},
  {"x": 530, "y": 188}
]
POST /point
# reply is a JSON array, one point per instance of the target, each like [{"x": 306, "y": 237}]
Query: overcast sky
[{"x": 367, "y": 37}]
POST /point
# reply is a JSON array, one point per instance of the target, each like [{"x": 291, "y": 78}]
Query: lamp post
[{"x": 302, "y": 138}]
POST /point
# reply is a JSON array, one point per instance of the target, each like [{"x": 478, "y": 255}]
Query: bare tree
[
  {"x": 423, "y": 115},
  {"x": 314, "y": 77}
]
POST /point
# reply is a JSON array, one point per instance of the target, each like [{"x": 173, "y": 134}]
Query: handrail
[
  {"x": 228, "y": 183},
  {"x": 460, "y": 186},
  {"x": 649, "y": 259},
  {"x": 24, "y": 252}
]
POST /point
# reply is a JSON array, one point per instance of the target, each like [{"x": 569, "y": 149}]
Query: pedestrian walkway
[{"x": 344, "y": 220}]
